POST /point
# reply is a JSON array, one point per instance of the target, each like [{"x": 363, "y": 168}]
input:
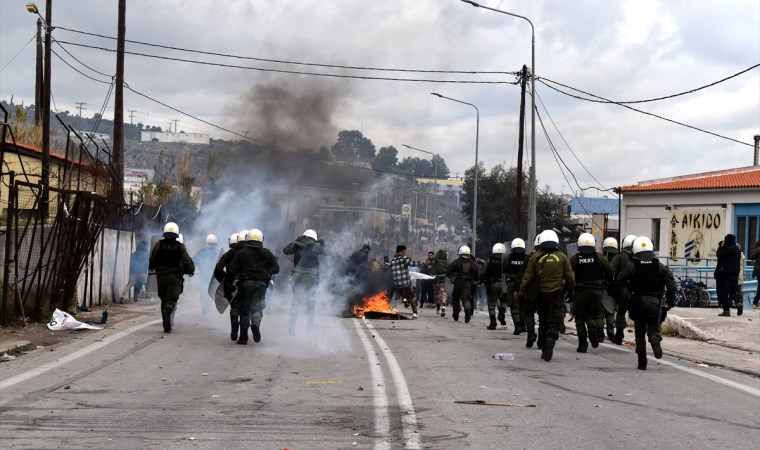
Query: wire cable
[
  {"x": 630, "y": 102},
  {"x": 637, "y": 110},
  {"x": 278, "y": 61},
  {"x": 565, "y": 141},
  {"x": 18, "y": 52},
  {"x": 295, "y": 72},
  {"x": 77, "y": 70},
  {"x": 80, "y": 62}
]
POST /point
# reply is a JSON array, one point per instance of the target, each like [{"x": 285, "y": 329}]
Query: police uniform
[
  {"x": 646, "y": 282},
  {"x": 621, "y": 263},
  {"x": 170, "y": 261},
  {"x": 527, "y": 298},
  {"x": 492, "y": 275},
  {"x": 514, "y": 271},
  {"x": 550, "y": 267},
  {"x": 590, "y": 270},
  {"x": 222, "y": 275},
  {"x": 304, "y": 279},
  {"x": 462, "y": 272},
  {"x": 252, "y": 268}
]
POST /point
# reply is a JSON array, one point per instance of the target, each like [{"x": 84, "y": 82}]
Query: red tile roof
[{"x": 745, "y": 177}]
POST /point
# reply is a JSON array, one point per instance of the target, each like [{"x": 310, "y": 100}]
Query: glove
[
  {"x": 569, "y": 298},
  {"x": 321, "y": 241}
]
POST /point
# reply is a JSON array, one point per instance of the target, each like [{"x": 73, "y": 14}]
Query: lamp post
[
  {"x": 532, "y": 195},
  {"x": 45, "y": 178},
  {"x": 435, "y": 182},
  {"x": 475, "y": 194}
]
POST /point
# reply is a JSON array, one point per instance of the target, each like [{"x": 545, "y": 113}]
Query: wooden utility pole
[
  {"x": 45, "y": 178},
  {"x": 39, "y": 77},
  {"x": 518, "y": 190},
  {"x": 118, "y": 116}
]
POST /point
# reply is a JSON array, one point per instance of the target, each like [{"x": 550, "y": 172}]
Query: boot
[
  {"x": 656, "y": 348},
  {"x": 531, "y": 339},
  {"x": 256, "y": 333},
  {"x": 455, "y": 316},
  {"x": 443, "y": 310},
  {"x": 166, "y": 319},
  {"x": 593, "y": 338},
  {"x": 642, "y": 360},
  {"x": 600, "y": 335},
  {"x": 548, "y": 350},
  {"x": 492, "y": 325},
  {"x": 502, "y": 316},
  {"x": 611, "y": 334},
  {"x": 467, "y": 316},
  {"x": 243, "y": 338},
  {"x": 582, "y": 344},
  {"x": 234, "y": 327},
  {"x": 619, "y": 337}
]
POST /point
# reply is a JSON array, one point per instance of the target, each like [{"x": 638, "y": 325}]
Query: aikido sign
[{"x": 694, "y": 235}]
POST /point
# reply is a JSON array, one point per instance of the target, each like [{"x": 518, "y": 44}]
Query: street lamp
[
  {"x": 532, "y": 206},
  {"x": 475, "y": 195},
  {"x": 435, "y": 181}
]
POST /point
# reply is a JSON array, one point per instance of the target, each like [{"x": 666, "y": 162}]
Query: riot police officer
[{"x": 170, "y": 262}]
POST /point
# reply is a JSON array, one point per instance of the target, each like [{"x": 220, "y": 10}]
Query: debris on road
[
  {"x": 7, "y": 357},
  {"x": 487, "y": 403},
  {"x": 65, "y": 321}
]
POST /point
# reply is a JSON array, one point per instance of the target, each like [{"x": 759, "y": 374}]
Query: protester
[
  {"x": 727, "y": 275},
  {"x": 402, "y": 281},
  {"x": 138, "y": 272}
]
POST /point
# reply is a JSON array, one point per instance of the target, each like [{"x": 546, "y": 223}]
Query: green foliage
[
  {"x": 353, "y": 145},
  {"x": 386, "y": 159},
  {"x": 497, "y": 205}
]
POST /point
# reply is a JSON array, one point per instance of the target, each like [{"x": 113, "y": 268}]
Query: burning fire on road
[{"x": 377, "y": 306}]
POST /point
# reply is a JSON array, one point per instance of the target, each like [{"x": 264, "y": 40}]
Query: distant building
[
  {"x": 134, "y": 178},
  {"x": 166, "y": 136}
]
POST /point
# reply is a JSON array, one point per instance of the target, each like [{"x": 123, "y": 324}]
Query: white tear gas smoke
[{"x": 254, "y": 206}]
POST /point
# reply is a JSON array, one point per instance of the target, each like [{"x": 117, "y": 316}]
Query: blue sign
[{"x": 587, "y": 205}]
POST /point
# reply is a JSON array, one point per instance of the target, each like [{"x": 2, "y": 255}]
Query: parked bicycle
[{"x": 692, "y": 294}]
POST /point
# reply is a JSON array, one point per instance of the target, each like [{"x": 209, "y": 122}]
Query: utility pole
[
  {"x": 175, "y": 125},
  {"x": 45, "y": 179},
  {"x": 80, "y": 107},
  {"x": 518, "y": 190},
  {"x": 131, "y": 115},
  {"x": 118, "y": 116},
  {"x": 39, "y": 77}
]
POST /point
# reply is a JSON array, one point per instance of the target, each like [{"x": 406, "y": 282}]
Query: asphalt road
[{"x": 363, "y": 384}]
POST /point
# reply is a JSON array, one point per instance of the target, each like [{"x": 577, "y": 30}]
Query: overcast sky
[{"x": 618, "y": 50}]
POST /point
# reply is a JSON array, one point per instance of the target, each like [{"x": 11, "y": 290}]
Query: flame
[{"x": 376, "y": 303}]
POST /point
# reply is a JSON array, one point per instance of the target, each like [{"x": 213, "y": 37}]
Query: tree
[
  {"x": 353, "y": 145},
  {"x": 442, "y": 169},
  {"x": 386, "y": 159},
  {"x": 496, "y": 206}
]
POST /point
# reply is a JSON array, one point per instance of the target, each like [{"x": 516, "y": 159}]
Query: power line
[
  {"x": 18, "y": 52},
  {"x": 637, "y": 110},
  {"x": 659, "y": 98},
  {"x": 565, "y": 141},
  {"x": 261, "y": 69},
  {"x": 77, "y": 70},
  {"x": 278, "y": 61}
]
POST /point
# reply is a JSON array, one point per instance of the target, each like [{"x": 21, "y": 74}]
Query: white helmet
[
  {"x": 255, "y": 235},
  {"x": 233, "y": 239},
  {"x": 518, "y": 245},
  {"x": 242, "y": 236},
  {"x": 211, "y": 240},
  {"x": 586, "y": 243},
  {"x": 464, "y": 250},
  {"x": 610, "y": 245},
  {"x": 172, "y": 228},
  {"x": 628, "y": 241},
  {"x": 180, "y": 238},
  {"x": 310, "y": 233},
  {"x": 548, "y": 239},
  {"x": 643, "y": 248},
  {"x": 536, "y": 241},
  {"x": 498, "y": 249}
]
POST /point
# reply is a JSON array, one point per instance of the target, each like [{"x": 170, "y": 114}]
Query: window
[
  {"x": 325, "y": 201},
  {"x": 656, "y": 234}
]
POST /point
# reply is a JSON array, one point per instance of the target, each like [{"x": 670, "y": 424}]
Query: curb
[{"x": 13, "y": 346}]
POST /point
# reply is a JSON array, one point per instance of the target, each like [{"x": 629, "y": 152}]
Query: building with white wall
[
  {"x": 167, "y": 136},
  {"x": 687, "y": 216}
]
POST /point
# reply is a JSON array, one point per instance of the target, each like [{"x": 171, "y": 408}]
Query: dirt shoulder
[{"x": 18, "y": 337}]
